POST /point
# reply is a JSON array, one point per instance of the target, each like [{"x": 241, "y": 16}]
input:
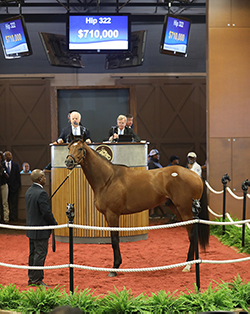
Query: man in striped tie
[{"x": 14, "y": 183}]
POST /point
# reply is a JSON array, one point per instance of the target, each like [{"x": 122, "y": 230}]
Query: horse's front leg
[
  {"x": 190, "y": 256},
  {"x": 116, "y": 250}
]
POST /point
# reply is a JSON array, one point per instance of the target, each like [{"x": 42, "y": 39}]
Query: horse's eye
[{"x": 81, "y": 149}]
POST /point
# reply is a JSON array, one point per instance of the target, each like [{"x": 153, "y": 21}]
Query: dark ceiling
[{"x": 145, "y": 11}]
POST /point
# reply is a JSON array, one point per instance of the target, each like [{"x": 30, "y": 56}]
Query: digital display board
[
  {"x": 98, "y": 33},
  {"x": 14, "y": 38},
  {"x": 175, "y": 35}
]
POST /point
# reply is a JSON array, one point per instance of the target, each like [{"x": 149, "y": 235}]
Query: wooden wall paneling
[
  {"x": 229, "y": 76},
  {"x": 240, "y": 13},
  {"x": 3, "y": 121},
  {"x": 241, "y": 164},
  {"x": 220, "y": 161},
  {"x": 219, "y": 13},
  {"x": 28, "y": 115},
  {"x": 171, "y": 115},
  {"x": 228, "y": 94}
]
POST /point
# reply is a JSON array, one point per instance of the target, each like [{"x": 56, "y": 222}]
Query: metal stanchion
[
  {"x": 71, "y": 214},
  {"x": 195, "y": 210},
  {"x": 224, "y": 180},
  {"x": 244, "y": 187}
]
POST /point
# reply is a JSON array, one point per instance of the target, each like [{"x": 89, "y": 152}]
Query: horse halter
[{"x": 74, "y": 161}]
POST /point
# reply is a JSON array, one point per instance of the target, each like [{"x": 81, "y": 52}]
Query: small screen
[
  {"x": 98, "y": 33},
  {"x": 14, "y": 38},
  {"x": 175, "y": 35}
]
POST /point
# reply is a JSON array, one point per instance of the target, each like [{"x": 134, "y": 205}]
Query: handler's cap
[
  {"x": 192, "y": 154},
  {"x": 153, "y": 152},
  {"x": 172, "y": 158}
]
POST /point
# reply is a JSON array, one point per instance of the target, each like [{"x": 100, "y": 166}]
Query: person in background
[
  {"x": 38, "y": 213},
  {"x": 204, "y": 170},
  {"x": 154, "y": 163},
  {"x": 192, "y": 164},
  {"x": 174, "y": 161},
  {"x": 4, "y": 189},
  {"x": 154, "y": 159},
  {"x": 26, "y": 168},
  {"x": 14, "y": 183},
  {"x": 74, "y": 129},
  {"x": 129, "y": 122},
  {"x": 121, "y": 128}
]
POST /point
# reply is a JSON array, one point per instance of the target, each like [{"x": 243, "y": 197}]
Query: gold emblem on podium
[{"x": 105, "y": 151}]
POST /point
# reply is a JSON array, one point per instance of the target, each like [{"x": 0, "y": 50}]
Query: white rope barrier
[
  {"x": 225, "y": 223},
  {"x": 5, "y": 226},
  {"x": 213, "y": 213},
  {"x": 34, "y": 267},
  {"x": 212, "y": 190},
  {"x": 228, "y": 216},
  {"x": 129, "y": 270},
  {"x": 174, "y": 225},
  {"x": 228, "y": 189},
  {"x": 244, "y": 259},
  {"x": 178, "y": 224},
  {"x": 234, "y": 195},
  {"x": 133, "y": 270}
]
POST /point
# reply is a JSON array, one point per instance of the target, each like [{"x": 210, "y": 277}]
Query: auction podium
[{"x": 77, "y": 191}]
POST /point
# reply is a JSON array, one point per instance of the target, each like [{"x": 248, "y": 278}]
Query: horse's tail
[{"x": 204, "y": 228}]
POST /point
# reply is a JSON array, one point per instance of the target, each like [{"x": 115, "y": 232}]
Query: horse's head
[{"x": 76, "y": 154}]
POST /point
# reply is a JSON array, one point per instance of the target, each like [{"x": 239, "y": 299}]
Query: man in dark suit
[
  {"x": 121, "y": 128},
  {"x": 14, "y": 183},
  {"x": 38, "y": 212},
  {"x": 74, "y": 129}
]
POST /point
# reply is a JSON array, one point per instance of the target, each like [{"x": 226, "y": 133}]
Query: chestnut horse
[{"x": 136, "y": 191}]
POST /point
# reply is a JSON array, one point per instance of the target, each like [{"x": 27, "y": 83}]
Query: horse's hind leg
[
  {"x": 190, "y": 256},
  {"x": 116, "y": 250}
]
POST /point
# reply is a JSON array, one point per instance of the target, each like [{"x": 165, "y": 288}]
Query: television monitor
[
  {"x": 129, "y": 59},
  {"x": 98, "y": 33},
  {"x": 14, "y": 38},
  {"x": 175, "y": 35},
  {"x": 125, "y": 138},
  {"x": 55, "y": 47}
]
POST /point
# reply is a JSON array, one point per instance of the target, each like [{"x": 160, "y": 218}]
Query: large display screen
[
  {"x": 14, "y": 38},
  {"x": 175, "y": 35},
  {"x": 98, "y": 33},
  {"x": 57, "y": 53}
]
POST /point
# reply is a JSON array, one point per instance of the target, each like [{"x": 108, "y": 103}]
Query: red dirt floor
[{"x": 163, "y": 247}]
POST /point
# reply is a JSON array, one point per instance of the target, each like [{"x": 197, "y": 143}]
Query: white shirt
[
  {"x": 196, "y": 168},
  {"x": 8, "y": 163},
  {"x": 120, "y": 131},
  {"x": 38, "y": 184},
  {"x": 78, "y": 130}
]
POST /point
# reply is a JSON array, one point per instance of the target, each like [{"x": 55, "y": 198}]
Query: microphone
[{"x": 75, "y": 123}]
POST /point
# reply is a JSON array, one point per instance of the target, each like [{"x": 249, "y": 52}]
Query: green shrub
[
  {"x": 224, "y": 297},
  {"x": 232, "y": 235},
  {"x": 10, "y": 297},
  {"x": 40, "y": 300}
]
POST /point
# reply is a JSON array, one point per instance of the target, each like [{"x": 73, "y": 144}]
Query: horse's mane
[{"x": 95, "y": 152}]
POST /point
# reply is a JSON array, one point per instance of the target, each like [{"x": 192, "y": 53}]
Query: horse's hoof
[
  {"x": 112, "y": 274},
  {"x": 186, "y": 269}
]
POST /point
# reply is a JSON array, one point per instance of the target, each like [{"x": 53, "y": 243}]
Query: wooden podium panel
[{"x": 77, "y": 191}]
